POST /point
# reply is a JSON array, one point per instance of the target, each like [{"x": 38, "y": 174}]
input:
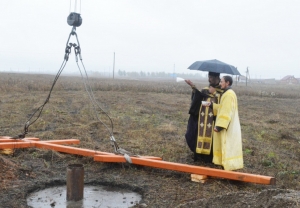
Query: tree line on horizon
[{"x": 123, "y": 73}]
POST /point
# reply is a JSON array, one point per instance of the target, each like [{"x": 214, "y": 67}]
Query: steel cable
[
  {"x": 88, "y": 89},
  {"x": 93, "y": 100},
  {"x": 40, "y": 109}
]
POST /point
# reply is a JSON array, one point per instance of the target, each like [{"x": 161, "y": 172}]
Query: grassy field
[{"x": 149, "y": 118}]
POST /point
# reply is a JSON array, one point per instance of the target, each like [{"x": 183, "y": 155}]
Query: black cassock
[{"x": 192, "y": 127}]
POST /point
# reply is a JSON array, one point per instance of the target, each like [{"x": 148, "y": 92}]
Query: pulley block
[{"x": 74, "y": 19}]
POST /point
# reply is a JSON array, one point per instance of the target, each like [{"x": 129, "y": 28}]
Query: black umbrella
[{"x": 214, "y": 66}]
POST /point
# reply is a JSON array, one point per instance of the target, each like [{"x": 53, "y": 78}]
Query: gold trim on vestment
[{"x": 206, "y": 126}]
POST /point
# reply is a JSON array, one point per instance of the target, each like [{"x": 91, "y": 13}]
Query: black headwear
[{"x": 214, "y": 74}]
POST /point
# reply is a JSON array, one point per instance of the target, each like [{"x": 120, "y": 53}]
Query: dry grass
[{"x": 150, "y": 118}]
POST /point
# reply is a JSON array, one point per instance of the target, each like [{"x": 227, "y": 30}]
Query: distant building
[{"x": 289, "y": 79}]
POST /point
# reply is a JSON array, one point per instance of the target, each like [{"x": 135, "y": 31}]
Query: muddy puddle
[{"x": 94, "y": 197}]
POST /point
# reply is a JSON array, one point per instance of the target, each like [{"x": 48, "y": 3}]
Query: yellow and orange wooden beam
[
  {"x": 246, "y": 177},
  {"x": 156, "y": 162},
  {"x": 57, "y": 145}
]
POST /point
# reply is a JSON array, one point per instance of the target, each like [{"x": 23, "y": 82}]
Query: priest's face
[{"x": 213, "y": 80}]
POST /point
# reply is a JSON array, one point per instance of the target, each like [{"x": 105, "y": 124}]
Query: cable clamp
[{"x": 127, "y": 158}]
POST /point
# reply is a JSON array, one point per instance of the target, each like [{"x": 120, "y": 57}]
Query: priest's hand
[
  {"x": 189, "y": 82},
  {"x": 211, "y": 90}
]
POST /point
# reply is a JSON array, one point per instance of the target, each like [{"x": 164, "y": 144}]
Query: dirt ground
[{"x": 149, "y": 118}]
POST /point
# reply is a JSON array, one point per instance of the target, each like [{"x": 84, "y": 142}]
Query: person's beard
[{"x": 214, "y": 85}]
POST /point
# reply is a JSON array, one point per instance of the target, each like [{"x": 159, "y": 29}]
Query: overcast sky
[{"x": 153, "y": 35}]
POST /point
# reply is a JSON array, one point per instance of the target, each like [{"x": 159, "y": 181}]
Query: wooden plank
[
  {"x": 151, "y": 157},
  {"x": 31, "y": 142},
  {"x": 79, "y": 151},
  {"x": 63, "y": 141},
  {"x": 6, "y": 151},
  {"x": 55, "y": 145},
  {"x": 143, "y": 160},
  {"x": 9, "y": 139},
  {"x": 198, "y": 177},
  {"x": 246, "y": 177},
  {"x": 66, "y": 149},
  {"x": 15, "y": 145},
  {"x": 31, "y": 139}
]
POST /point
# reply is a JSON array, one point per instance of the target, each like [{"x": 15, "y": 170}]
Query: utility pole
[
  {"x": 174, "y": 72},
  {"x": 247, "y": 76},
  {"x": 236, "y": 78},
  {"x": 114, "y": 67}
]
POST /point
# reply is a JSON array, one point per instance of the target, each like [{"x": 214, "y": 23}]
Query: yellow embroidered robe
[
  {"x": 206, "y": 124},
  {"x": 227, "y": 145}
]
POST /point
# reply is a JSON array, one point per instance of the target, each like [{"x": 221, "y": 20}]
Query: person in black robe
[{"x": 200, "y": 128}]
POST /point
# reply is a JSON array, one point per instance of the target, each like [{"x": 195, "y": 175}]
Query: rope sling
[{"x": 74, "y": 19}]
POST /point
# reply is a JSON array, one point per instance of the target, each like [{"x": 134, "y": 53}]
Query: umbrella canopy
[{"x": 214, "y": 66}]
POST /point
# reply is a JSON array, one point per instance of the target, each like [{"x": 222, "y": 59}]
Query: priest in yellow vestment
[{"x": 227, "y": 145}]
